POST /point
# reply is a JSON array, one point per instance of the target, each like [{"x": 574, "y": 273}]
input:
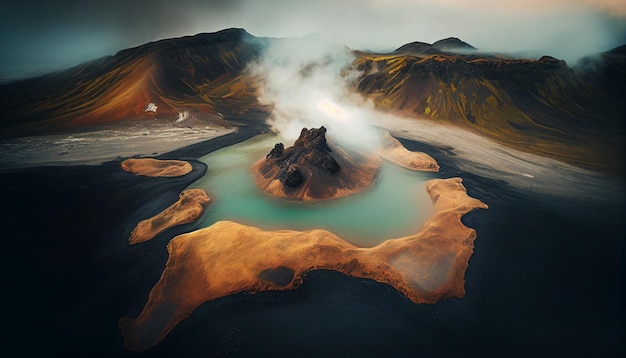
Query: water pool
[{"x": 396, "y": 204}]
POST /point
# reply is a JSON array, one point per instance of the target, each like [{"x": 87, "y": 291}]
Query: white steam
[{"x": 306, "y": 82}]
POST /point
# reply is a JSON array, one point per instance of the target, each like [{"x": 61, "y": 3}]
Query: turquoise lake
[{"x": 395, "y": 205}]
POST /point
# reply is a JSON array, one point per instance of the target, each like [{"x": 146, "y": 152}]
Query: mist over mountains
[{"x": 542, "y": 106}]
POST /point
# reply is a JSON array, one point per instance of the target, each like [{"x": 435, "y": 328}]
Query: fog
[
  {"x": 306, "y": 84},
  {"x": 38, "y": 36},
  {"x": 306, "y": 79}
]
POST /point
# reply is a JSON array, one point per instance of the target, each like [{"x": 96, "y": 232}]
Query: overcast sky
[{"x": 41, "y": 36}]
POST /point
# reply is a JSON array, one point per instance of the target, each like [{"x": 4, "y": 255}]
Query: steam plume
[{"x": 307, "y": 84}]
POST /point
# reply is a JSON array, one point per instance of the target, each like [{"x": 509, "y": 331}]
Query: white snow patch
[{"x": 151, "y": 107}]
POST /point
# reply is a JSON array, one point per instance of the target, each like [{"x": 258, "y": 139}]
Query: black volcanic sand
[
  {"x": 69, "y": 272},
  {"x": 546, "y": 278}
]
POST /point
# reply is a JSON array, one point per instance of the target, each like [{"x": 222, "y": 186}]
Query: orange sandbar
[
  {"x": 395, "y": 152},
  {"x": 156, "y": 168},
  {"x": 228, "y": 257},
  {"x": 188, "y": 208}
]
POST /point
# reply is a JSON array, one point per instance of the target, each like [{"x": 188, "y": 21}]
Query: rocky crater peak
[
  {"x": 313, "y": 139},
  {"x": 310, "y": 149},
  {"x": 311, "y": 170}
]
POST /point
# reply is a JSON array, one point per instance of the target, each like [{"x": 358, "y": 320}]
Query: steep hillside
[
  {"x": 542, "y": 106},
  {"x": 197, "y": 73}
]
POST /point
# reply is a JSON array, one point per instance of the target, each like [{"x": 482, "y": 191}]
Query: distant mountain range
[
  {"x": 451, "y": 44},
  {"x": 543, "y": 106}
]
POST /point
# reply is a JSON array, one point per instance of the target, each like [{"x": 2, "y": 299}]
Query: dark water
[{"x": 546, "y": 279}]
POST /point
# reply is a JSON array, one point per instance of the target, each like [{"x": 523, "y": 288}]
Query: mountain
[
  {"x": 310, "y": 170},
  {"x": 445, "y": 46},
  {"x": 416, "y": 48},
  {"x": 543, "y": 106},
  {"x": 453, "y": 44},
  {"x": 197, "y": 73}
]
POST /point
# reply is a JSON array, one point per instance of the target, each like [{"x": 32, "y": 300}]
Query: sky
[{"x": 37, "y": 37}]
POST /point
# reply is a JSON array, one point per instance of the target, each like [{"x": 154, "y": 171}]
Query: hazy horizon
[{"x": 38, "y": 37}]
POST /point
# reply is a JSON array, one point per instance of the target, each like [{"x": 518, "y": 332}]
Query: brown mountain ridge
[
  {"x": 544, "y": 106},
  {"x": 199, "y": 73}
]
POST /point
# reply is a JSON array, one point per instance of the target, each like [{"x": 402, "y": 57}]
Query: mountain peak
[
  {"x": 441, "y": 46},
  {"x": 308, "y": 171},
  {"x": 231, "y": 34},
  {"x": 416, "y": 47},
  {"x": 234, "y": 33},
  {"x": 452, "y": 43}
]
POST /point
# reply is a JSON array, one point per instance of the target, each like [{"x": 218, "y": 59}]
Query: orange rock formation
[
  {"x": 395, "y": 152},
  {"x": 156, "y": 168},
  {"x": 188, "y": 208},
  {"x": 227, "y": 258},
  {"x": 353, "y": 179},
  {"x": 310, "y": 170}
]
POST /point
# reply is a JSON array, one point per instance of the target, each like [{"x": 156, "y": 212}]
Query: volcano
[
  {"x": 545, "y": 275},
  {"x": 310, "y": 170}
]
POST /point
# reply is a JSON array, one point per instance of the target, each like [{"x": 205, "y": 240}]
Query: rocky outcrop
[{"x": 311, "y": 170}]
